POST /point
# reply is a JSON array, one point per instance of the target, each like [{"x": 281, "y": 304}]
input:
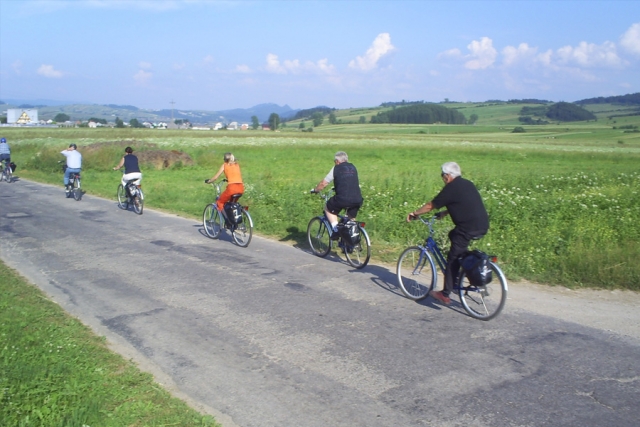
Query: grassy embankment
[{"x": 55, "y": 372}]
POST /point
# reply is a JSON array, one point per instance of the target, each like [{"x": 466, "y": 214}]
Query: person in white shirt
[{"x": 74, "y": 162}]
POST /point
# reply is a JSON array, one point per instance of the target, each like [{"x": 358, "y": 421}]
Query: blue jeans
[{"x": 68, "y": 172}]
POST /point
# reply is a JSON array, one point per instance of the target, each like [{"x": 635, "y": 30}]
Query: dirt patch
[
  {"x": 161, "y": 159},
  {"x": 147, "y": 153}
]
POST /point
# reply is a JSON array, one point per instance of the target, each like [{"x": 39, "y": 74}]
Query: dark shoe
[
  {"x": 335, "y": 235},
  {"x": 441, "y": 297}
]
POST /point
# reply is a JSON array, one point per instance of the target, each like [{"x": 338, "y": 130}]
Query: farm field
[{"x": 563, "y": 198}]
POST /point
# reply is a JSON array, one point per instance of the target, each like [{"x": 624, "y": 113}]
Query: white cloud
[
  {"x": 142, "y": 77},
  {"x": 48, "y": 71},
  {"x": 17, "y": 67},
  {"x": 380, "y": 47},
  {"x": 482, "y": 55},
  {"x": 294, "y": 66},
  {"x": 243, "y": 69},
  {"x": 630, "y": 40},
  {"x": 144, "y": 65},
  {"x": 179, "y": 66},
  {"x": 590, "y": 55},
  {"x": 512, "y": 55},
  {"x": 207, "y": 59}
]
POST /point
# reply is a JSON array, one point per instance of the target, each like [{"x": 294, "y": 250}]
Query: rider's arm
[
  {"x": 426, "y": 208},
  {"x": 218, "y": 174},
  {"x": 119, "y": 164},
  {"x": 320, "y": 186}
]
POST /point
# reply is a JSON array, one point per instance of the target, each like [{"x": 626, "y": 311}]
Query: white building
[{"x": 21, "y": 116}]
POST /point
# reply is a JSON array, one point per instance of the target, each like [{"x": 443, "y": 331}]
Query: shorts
[{"x": 335, "y": 207}]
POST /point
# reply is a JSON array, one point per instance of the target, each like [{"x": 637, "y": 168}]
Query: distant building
[
  {"x": 22, "y": 117},
  {"x": 232, "y": 126}
]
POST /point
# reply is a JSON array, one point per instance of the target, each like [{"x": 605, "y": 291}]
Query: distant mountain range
[{"x": 47, "y": 109}]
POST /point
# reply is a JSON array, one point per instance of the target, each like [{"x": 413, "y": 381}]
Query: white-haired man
[
  {"x": 347, "y": 186},
  {"x": 464, "y": 203}
]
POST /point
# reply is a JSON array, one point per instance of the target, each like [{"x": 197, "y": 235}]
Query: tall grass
[{"x": 559, "y": 213}]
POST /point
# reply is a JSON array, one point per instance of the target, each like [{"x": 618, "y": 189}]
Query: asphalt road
[{"x": 271, "y": 335}]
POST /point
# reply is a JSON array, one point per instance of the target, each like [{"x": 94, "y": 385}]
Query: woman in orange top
[{"x": 231, "y": 170}]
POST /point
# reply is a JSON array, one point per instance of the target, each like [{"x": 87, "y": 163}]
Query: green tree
[
  {"x": 135, "y": 123},
  {"x": 473, "y": 119},
  {"x": 3, "y": 119},
  {"x": 362, "y": 119},
  {"x": 61, "y": 117},
  {"x": 274, "y": 121},
  {"x": 318, "y": 119},
  {"x": 255, "y": 123},
  {"x": 332, "y": 118},
  {"x": 518, "y": 129},
  {"x": 119, "y": 122},
  {"x": 301, "y": 125}
]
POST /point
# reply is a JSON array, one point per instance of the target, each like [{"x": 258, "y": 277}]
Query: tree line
[{"x": 420, "y": 114}]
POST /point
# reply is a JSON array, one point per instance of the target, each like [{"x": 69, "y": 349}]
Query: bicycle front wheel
[
  {"x": 8, "y": 175},
  {"x": 138, "y": 202},
  {"x": 123, "y": 200},
  {"x": 319, "y": 237},
  {"x": 77, "y": 192},
  {"x": 242, "y": 232},
  {"x": 484, "y": 302},
  {"x": 416, "y": 273},
  {"x": 359, "y": 254},
  {"x": 211, "y": 221}
]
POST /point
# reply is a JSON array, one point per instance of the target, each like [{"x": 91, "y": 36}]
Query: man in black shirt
[
  {"x": 464, "y": 204},
  {"x": 347, "y": 186}
]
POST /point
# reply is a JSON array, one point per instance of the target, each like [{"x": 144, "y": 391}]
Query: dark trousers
[{"x": 459, "y": 245}]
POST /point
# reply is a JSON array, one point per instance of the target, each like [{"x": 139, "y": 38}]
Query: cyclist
[
  {"x": 231, "y": 170},
  {"x": 5, "y": 152},
  {"x": 347, "y": 187},
  {"x": 74, "y": 163},
  {"x": 131, "y": 168},
  {"x": 464, "y": 203}
]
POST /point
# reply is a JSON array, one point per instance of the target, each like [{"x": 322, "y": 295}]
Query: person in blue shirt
[{"x": 5, "y": 151}]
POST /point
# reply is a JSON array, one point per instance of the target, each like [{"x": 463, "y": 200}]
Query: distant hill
[
  {"x": 629, "y": 99},
  {"x": 127, "y": 112}
]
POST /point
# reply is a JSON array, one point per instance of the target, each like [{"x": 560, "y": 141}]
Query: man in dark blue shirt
[{"x": 464, "y": 203}]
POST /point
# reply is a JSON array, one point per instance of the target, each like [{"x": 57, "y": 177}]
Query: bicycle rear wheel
[
  {"x": 243, "y": 232},
  {"x": 484, "y": 302},
  {"x": 416, "y": 273},
  {"x": 211, "y": 221},
  {"x": 359, "y": 254},
  {"x": 123, "y": 200},
  {"x": 138, "y": 202},
  {"x": 319, "y": 237},
  {"x": 77, "y": 192},
  {"x": 8, "y": 176}
]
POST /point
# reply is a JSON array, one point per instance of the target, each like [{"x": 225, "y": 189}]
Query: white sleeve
[{"x": 329, "y": 176}]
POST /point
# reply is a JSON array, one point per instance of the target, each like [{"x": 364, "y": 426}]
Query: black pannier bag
[
  {"x": 13, "y": 167},
  {"x": 233, "y": 212},
  {"x": 349, "y": 232},
  {"x": 477, "y": 268}
]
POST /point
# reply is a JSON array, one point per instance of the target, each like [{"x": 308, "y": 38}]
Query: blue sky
[{"x": 215, "y": 55}]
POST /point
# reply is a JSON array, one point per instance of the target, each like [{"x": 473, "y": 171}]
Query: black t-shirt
[
  {"x": 463, "y": 201},
  {"x": 347, "y": 185},
  {"x": 131, "y": 164}
]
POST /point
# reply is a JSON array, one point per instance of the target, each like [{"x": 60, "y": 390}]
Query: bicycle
[
  {"x": 7, "y": 172},
  {"x": 353, "y": 240},
  {"x": 417, "y": 275},
  {"x": 72, "y": 189},
  {"x": 240, "y": 224},
  {"x": 131, "y": 194}
]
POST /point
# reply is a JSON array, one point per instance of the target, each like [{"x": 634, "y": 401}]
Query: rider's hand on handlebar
[
  {"x": 313, "y": 191},
  {"x": 206, "y": 181},
  {"x": 411, "y": 217},
  {"x": 441, "y": 214}
]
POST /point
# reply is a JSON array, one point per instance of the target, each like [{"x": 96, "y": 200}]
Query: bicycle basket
[
  {"x": 234, "y": 212},
  {"x": 349, "y": 232},
  {"x": 476, "y": 267}
]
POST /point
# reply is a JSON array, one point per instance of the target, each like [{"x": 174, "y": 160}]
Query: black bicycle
[
  {"x": 72, "y": 189},
  {"x": 7, "y": 171}
]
